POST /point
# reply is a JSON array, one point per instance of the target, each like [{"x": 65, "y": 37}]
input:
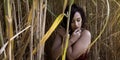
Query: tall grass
[{"x": 24, "y": 27}]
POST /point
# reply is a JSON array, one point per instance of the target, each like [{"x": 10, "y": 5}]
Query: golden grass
[
  {"x": 24, "y": 22},
  {"x": 101, "y": 32}
]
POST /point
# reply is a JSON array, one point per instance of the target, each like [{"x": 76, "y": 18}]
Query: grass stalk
[
  {"x": 9, "y": 27},
  {"x": 40, "y": 51},
  {"x": 67, "y": 31}
]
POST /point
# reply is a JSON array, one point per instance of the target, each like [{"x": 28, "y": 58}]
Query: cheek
[{"x": 80, "y": 24}]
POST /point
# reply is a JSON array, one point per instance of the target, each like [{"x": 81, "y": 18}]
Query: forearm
[
  {"x": 69, "y": 51},
  {"x": 72, "y": 41}
]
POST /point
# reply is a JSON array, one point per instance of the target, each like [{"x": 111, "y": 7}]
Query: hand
[{"x": 75, "y": 35}]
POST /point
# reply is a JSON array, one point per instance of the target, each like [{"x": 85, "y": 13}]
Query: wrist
[{"x": 71, "y": 42}]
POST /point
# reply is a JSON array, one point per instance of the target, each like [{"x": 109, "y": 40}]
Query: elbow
[
  {"x": 73, "y": 56},
  {"x": 76, "y": 55}
]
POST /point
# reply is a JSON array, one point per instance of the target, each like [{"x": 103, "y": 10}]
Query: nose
[{"x": 76, "y": 24}]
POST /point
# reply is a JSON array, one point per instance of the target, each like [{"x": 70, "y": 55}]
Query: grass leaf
[{"x": 66, "y": 46}]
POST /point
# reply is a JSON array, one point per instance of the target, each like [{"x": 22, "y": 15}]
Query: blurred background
[{"x": 41, "y": 14}]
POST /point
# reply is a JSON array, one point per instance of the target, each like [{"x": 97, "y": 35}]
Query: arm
[
  {"x": 80, "y": 47},
  {"x": 57, "y": 47},
  {"x": 74, "y": 37}
]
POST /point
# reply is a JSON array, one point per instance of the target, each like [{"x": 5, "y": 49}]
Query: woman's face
[{"x": 76, "y": 21}]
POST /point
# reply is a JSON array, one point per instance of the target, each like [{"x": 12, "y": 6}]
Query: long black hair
[{"x": 74, "y": 9}]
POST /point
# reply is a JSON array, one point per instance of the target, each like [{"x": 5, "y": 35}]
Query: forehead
[{"x": 77, "y": 15}]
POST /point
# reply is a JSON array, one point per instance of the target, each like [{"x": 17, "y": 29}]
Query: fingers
[{"x": 77, "y": 30}]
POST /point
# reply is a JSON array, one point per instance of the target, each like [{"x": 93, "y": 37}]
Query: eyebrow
[
  {"x": 78, "y": 18},
  {"x": 75, "y": 19}
]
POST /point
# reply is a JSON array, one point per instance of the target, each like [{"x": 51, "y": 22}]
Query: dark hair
[{"x": 74, "y": 9}]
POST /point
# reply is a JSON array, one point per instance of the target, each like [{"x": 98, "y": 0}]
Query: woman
[{"x": 79, "y": 40}]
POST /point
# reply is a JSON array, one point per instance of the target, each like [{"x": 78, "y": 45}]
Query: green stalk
[{"x": 67, "y": 31}]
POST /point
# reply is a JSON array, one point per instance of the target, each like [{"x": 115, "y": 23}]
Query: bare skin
[{"x": 78, "y": 42}]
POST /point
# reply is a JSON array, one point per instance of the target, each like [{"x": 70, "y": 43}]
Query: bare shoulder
[
  {"x": 86, "y": 32},
  {"x": 86, "y": 35}
]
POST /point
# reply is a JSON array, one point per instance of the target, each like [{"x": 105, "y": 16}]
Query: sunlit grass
[{"x": 23, "y": 25}]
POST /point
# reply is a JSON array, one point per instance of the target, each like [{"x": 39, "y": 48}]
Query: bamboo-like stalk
[
  {"x": 40, "y": 51},
  {"x": 9, "y": 27},
  {"x": 32, "y": 26},
  {"x": 43, "y": 26},
  {"x": 67, "y": 31}
]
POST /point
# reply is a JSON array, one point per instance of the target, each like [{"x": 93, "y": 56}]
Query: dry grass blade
[
  {"x": 49, "y": 32},
  {"x": 3, "y": 48}
]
